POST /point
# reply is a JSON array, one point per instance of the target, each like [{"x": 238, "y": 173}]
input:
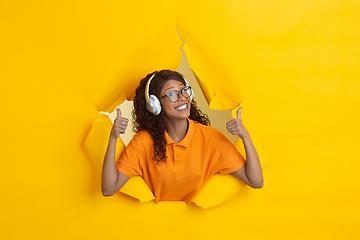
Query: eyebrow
[
  {"x": 168, "y": 89},
  {"x": 173, "y": 87}
]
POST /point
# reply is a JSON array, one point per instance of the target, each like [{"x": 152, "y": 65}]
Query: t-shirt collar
[{"x": 187, "y": 139}]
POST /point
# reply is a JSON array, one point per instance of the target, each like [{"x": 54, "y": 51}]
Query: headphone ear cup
[
  {"x": 153, "y": 105},
  {"x": 192, "y": 95}
]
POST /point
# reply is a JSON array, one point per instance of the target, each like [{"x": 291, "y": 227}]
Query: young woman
[{"x": 174, "y": 149}]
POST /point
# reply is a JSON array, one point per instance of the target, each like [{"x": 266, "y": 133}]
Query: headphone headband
[{"x": 147, "y": 88}]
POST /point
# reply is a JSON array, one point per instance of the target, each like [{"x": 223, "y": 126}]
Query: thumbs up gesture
[
  {"x": 236, "y": 126},
  {"x": 119, "y": 126}
]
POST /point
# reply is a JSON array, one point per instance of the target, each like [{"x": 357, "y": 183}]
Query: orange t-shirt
[{"x": 203, "y": 152}]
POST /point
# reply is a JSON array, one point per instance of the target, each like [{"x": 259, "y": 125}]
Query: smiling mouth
[{"x": 181, "y": 107}]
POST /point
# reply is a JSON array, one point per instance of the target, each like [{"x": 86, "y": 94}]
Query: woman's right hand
[
  {"x": 111, "y": 179},
  {"x": 119, "y": 126}
]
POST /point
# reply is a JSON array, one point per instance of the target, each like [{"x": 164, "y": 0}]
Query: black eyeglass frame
[{"x": 185, "y": 89}]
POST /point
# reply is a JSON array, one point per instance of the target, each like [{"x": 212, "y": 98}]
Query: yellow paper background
[{"x": 295, "y": 64}]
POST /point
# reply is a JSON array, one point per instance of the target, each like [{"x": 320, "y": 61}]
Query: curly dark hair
[{"x": 156, "y": 124}]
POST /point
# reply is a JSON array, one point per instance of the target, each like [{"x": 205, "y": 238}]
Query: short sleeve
[
  {"x": 229, "y": 160},
  {"x": 129, "y": 164}
]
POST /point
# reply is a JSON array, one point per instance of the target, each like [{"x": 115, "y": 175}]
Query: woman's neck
[{"x": 177, "y": 129}]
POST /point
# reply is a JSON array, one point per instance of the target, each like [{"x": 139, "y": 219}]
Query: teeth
[{"x": 182, "y": 107}]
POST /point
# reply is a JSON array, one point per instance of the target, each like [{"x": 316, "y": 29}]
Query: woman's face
[{"x": 175, "y": 110}]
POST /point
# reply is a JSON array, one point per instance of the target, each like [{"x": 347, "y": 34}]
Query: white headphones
[{"x": 152, "y": 102}]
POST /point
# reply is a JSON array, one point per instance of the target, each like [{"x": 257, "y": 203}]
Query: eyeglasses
[{"x": 174, "y": 96}]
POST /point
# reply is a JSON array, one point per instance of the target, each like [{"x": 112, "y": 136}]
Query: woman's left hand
[{"x": 236, "y": 126}]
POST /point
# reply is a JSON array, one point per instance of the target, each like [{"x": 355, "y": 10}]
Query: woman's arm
[
  {"x": 251, "y": 173},
  {"x": 111, "y": 179}
]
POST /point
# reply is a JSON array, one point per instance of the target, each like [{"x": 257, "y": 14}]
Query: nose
[{"x": 181, "y": 97}]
